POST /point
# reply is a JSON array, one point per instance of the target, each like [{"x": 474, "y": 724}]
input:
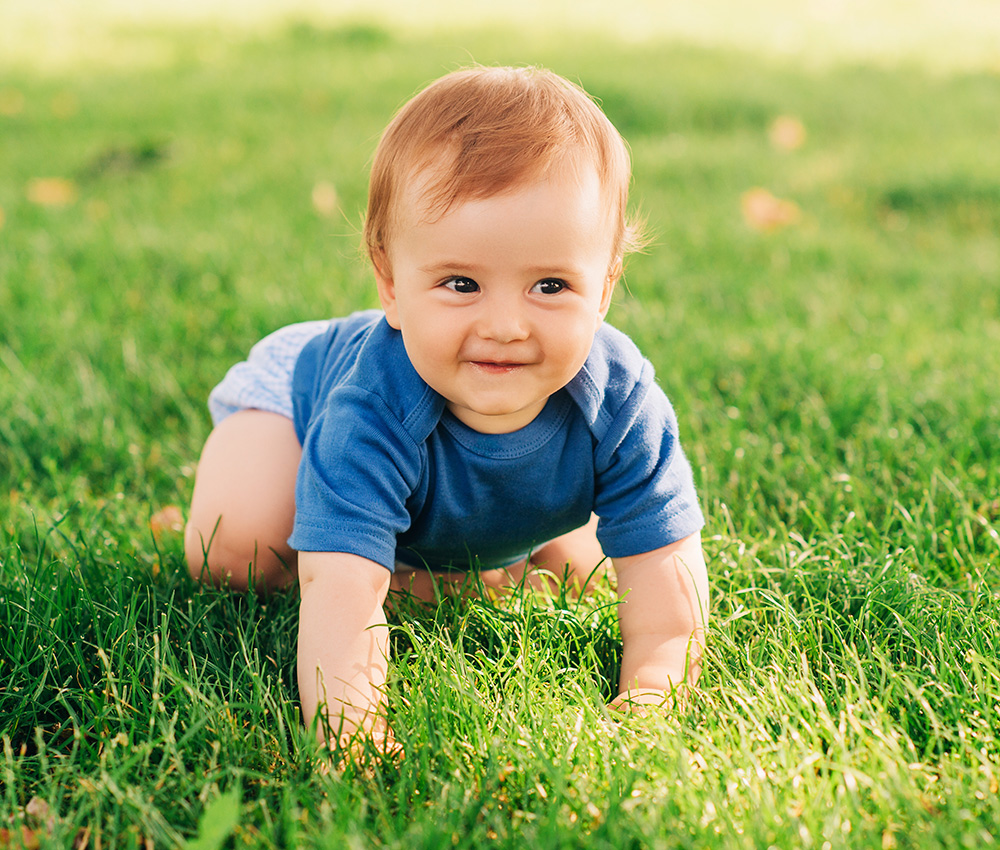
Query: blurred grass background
[
  {"x": 964, "y": 34},
  {"x": 821, "y": 303}
]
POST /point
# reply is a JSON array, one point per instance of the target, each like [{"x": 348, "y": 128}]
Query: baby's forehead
[{"x": 434, "y": 185}]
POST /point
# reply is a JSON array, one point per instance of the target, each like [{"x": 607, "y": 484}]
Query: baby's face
[{"x": 498, "y": 300}]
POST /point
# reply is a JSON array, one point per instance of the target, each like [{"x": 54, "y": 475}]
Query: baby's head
[
  {"x": 481, "y": 131},
  {"x": 496, "y": 225}
]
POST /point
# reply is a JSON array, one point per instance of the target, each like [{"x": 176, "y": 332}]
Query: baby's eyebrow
[
  {"x": 458, "y": 266},
  {"x": 451, "y": 266}
]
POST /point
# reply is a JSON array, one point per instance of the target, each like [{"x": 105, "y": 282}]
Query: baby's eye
[
  {"x": 549, "y": 286},
  {"x": 462, "y": 285}
]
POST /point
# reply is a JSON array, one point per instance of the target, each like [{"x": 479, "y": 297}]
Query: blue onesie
[{"x": 389, "y": 474}]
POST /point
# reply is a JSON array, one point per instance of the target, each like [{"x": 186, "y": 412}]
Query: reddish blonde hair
[{"x": 500, "y": 128}]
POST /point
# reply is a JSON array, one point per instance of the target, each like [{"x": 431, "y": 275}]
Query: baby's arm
[
  {"x": 663, "y": 614},
  {"x": 343, "y": 641}
]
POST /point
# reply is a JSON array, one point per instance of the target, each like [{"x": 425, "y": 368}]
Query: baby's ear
[
  {"x": 386, "y": 287},
  {"x": 614, "y": 273}
]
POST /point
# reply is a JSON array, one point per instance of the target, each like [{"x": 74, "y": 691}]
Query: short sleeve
[
  {"x": 645, "y": 495},
  {"x": 359, "y": 466}
]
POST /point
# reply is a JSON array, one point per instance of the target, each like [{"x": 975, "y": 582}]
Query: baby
[{"x": 485, "y": 417}]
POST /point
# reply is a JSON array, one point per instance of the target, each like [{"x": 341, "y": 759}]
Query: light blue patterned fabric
[{"x": 264, "y": 380}]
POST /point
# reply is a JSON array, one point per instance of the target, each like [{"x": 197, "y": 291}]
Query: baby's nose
[{"x": 503, "y": 321}]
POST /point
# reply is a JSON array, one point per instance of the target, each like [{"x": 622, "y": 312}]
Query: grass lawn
[{"x": 821, "y": 304}]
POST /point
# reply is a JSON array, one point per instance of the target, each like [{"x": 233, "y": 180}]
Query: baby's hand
[
  {"x": 645, "y": 701},
  {"x": 384, "y": 744},
  {"x": 364, "y": 749}
]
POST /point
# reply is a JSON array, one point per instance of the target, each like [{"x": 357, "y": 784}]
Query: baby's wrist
[
  {"x": 641, "y": 696},
  {"x": 644, "y": 700}
]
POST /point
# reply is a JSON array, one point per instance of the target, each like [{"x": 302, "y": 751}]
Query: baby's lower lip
[{"x": 495, "y": 366}]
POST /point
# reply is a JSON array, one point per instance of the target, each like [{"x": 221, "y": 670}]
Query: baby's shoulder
[
  {"x": 614, "y": 373},
  {"x": 361, "y": 360},
  {"x": 615, "y": 360}
]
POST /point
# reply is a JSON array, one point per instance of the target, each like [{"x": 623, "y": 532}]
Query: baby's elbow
[{"x": 343, "y": 571}]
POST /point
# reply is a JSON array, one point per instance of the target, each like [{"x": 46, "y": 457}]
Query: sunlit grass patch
[{"x": 834, "y": 378}]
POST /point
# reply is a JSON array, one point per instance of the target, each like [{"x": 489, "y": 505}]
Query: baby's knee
[
  {"x": 239, "y": 562},
  {"x": 206, "y": 560},
  {"x": 215, "y": 560}
]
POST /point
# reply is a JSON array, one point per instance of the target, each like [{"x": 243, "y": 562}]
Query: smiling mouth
[{"x": 496, "y": 367}]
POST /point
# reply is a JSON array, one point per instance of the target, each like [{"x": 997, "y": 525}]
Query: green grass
[{"x": 836, "y": 383}]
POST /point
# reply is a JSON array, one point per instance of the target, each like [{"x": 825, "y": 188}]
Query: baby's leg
[
  {"x": 575, "y": 556},
  {"x": 243, "y": 505}
]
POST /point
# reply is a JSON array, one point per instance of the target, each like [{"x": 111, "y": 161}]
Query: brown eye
[
  {"x": 462, "y": 285},
  {"x": 549, "y": 286}
]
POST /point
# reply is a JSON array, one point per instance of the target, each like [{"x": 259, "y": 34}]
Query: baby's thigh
[
  {"x": 243, "y": 506},
  {"x": 575, "y": 558},
  {"x": 425, "y": 585}
]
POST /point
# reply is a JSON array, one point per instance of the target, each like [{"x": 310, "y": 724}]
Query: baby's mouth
[{"x": 496, "y": 367}]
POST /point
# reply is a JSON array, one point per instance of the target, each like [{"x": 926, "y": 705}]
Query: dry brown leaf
[
  {"x": 23, "y": 838},
  {"x": 324, "y": 198},
  {"x": 765, "y": 213},
  {"x": 787, "y": 133},
  {"x": 39, "y": 823},
  {"x": 168, "y": 519},
  {"x": 38, "y": 812},
  {"x": 51, "y": 191}
]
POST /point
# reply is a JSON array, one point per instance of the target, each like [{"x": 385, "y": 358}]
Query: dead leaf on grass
[
  {"x": 167, "y": 520},
  {"x": 765, "y": 213},
  {"x": 35, "y": 826},
  {"x": 324, "y": 198},
  {"x": 787, "y": 133},
  {"x": 51, "y": 191},
  {"x": 37, "y": 811}
]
